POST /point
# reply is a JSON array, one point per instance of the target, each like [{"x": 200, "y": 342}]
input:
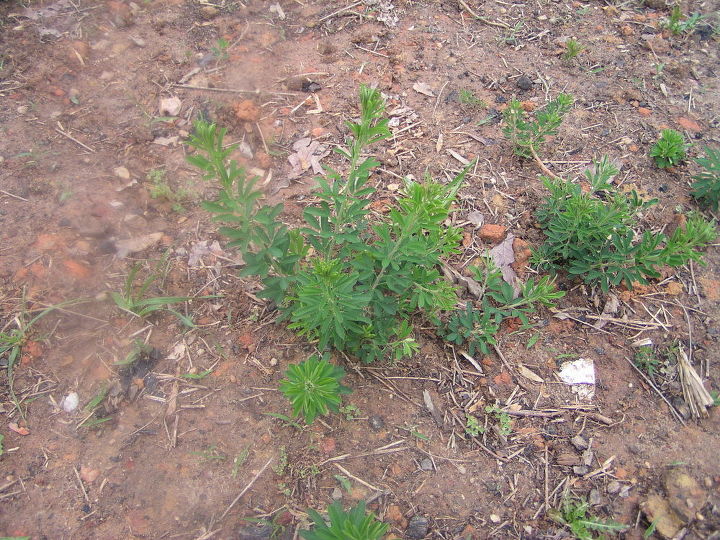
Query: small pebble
[
  {"x": 580, "y": 470},
  {"x": 336, "y": 494},
  {"x": 495, "y": 518},
  {"x": 426, "y": 464},
  {"x": 594, "y": 498},
  {"x": 614, "y": 487}
]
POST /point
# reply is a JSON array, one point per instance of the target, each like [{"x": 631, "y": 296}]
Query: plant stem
[{"x": 542, "y": 165}]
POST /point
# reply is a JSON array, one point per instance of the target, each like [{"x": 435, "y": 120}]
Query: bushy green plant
[
  {"x": 358, "y": 286},
  {"x": 592, "y": 235},
  {"x": 527, "y": 136},
  {"x": 313, "y": 387},
  {"x": 678, "y": 24},
  {"x": 647, "y": 361},
  {"x": 572, "y": 49},
  {"x": 503, "y": 418},
  {"x": 670, "y": 149},
  {"x": 353, "y": 524},
  {"x": 706, "y": 187},
  {"x": 477, "y": 327},
  {"x": 472, "y": 426},
  {"x": 574, "y": 515}
]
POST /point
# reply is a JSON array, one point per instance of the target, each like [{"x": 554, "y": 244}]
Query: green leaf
[
  {"x": 200, "y": 375},
  {"x": 96, "y": 400},
  {"x": 344, "y": 482}
]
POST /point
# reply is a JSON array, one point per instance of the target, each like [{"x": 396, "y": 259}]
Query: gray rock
[
  {"x": 594, "y": 498},
  {"x": 426, "y": 464},
  {"x": 581, "y": 470},
  {"x": 418, "y": 527},
  {"x": 336, "y": 494},
  {"x": 580, "y": 443},
  {"x": 376, "y": 422}
]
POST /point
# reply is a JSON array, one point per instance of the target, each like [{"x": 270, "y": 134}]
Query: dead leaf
[
  {"x": 177, "y": 352},
  {"x": 170, "y": 106},
  {"x": 133, "y": 245},
  {"x": 457, "y": 156},
  {"x": 423, "y": 88},
  {"x": 200, "y": 249},
  {"x": 504, "y": 255},
  {"x": 308, "y": 153},
  {"x": 470, "y": 284},
  {"x": 476, "y": 218},
  {"x": 525, "y": 372},
  {"x": 166, "y": 141},
  {"x": 611, "y": 307},
  {"x": 19, "y": 430},
  {"x": 471, "y": 360},
  {"x": 431, "y": 407}
]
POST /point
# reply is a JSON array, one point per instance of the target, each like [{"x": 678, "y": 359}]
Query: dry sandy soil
[{"x": 94, "y": 180}]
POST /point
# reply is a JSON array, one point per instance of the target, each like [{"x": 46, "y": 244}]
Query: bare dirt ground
[{"x": 93, "y": 180}]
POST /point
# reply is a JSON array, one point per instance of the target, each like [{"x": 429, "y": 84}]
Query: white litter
[
  {"x": 580, "y": 375},
  {"x": 70, "y": 402}
]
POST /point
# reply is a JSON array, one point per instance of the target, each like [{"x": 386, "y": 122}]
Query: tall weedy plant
[{"x": 357, "y": 291}]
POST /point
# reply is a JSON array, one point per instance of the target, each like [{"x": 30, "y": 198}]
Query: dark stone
[
  {"x": 524, "y": 83},
  {"x": 311, "y": 87},
  {"x": 106, "y": 247},
  {"x": 705, "y": 31},
  {"x": 418, "y": 527}
]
